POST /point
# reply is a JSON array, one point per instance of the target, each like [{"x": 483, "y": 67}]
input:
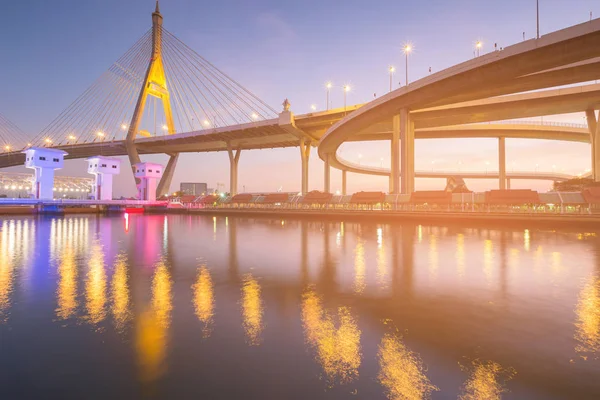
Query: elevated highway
[{"x": 488, "y": 88}]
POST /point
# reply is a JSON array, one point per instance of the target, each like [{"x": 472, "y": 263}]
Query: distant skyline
[{"x": 55, "y": 49}]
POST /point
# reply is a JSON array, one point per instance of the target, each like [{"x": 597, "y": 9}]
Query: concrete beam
[
  {"x": 305, "y": 155},
  {"x": 165, "y": 181},
  {"x": 502, "y": 162},
  {"x": 407, "y": 138},
  {"x": 395, "y": 156},
  {"x": 234, "y": 158}
]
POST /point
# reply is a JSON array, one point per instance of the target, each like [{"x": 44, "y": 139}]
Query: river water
[{"x": 189, "y": 307}]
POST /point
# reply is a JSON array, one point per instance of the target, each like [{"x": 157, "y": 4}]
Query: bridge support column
[
  {"x": 344, "y": 182},
  {"x": 395, "y": 150},
  {"x": 594, "y": 129},
  {"x": 305, "y": 155},
  {"x": 234, "y": 158},
  {"x": 165, "y": 181},
  {"x": 502, "y": 162},
  {"x": 134, "y": 158},
  {"x": 327, "y": 177},
  {"x": 407, "y": 137}
]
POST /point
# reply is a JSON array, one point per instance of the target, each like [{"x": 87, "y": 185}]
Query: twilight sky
[{"x": 53, "y": 50}]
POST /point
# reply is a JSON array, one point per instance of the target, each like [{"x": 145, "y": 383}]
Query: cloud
[{"x": 277, "y": 30}]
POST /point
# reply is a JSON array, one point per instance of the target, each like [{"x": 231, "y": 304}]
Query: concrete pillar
[
  {"x": 395, "y": 156},
  {"x": 593, "y": 127},
  {"x": 164, "y": 185},
  {"x": 502, "y": 162},
  {"x": 304, "y": 155},
  {"x": 407, "y": 137},
  {"x": 344, "y": 182},
  {"x": 234, "y": 158},
  {"x": 327, "y": 177}
]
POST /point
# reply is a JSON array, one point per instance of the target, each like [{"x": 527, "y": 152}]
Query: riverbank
[{"x": 543, "y": 219}]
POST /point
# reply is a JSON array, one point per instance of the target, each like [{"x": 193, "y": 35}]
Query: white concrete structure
[
  {"x": 148, "y": 174},
  {"x": 44, "y": 161},
  {"x": 103, "y": 168}
]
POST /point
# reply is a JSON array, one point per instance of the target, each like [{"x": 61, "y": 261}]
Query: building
[{"x": 194, "y": 188}]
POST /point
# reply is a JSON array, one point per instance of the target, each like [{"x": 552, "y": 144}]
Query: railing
[{"x": 16, "y": 201}]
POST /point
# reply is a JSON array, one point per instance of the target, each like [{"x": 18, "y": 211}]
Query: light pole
[
  {"x": 478, "y": 45},
  {"x": 328, "y": 87},
  {"x": 346, "y": 90},
  {"x": 537, "y": 17},
  {"x": 392, "y": 69},
  {"x": 407, "y": 50}
]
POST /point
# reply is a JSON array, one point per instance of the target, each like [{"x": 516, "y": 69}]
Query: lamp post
[
  {"x": 407, "y": 50},
  {"x": 478, "y": 46},
  {"x": 328, "y": 87},
  {"x": 392, "y": 69}
]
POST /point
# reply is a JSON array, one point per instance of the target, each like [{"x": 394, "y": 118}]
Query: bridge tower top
[{"x": 157, "y": 21}]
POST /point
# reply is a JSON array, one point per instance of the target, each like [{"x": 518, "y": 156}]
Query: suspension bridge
[{"x": 162, "y": 97}]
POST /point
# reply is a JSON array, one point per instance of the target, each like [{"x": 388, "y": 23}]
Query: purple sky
[{"x": 53, "y": 50}]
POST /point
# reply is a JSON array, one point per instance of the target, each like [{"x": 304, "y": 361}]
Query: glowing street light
[
  {"x": 313, "y": 107},
  {"x": 407, "y": 49},
  {"x": 206, "y": 123},
  {"x": 71, "y": 137},
  {"x": 48, "y": 141},
  {"x": 392, "y": 69},
  {"x": 346, "y": 90},
  {"x": 165, "y": 127},
  {"x": 254, "y": 116},
  {"x": 124, "y": 127},
  {"x": 100, "y": 134},
  {"x": 478, "y": 46},
  {"x": 7, "y": 147},
  {"x": 328, "y": 86}
]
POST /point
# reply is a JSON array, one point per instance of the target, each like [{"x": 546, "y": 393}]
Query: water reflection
[
  {"x": 120, "y": 293},
  {"x": 252, "y": 310},
  {"x": 460, "y": 254},
  {"x": 6, "y": 272},
  {"x": 153, "y": 324},
  {"x": 486, "y": 381},
  {"x": 338, "y": 349},
  {"x": 401, "y": 372},
  {"x": 66, "y": 292},
  {"x": 359, "y": 267},
  {"x": 95, "y": 286},
  {"x": 588, "y": 318},
  {"x": 204, "y": 300},
  {"x": 381, "y": 260}
]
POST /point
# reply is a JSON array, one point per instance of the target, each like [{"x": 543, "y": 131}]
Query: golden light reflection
[
  {"x": 381, "y": 262},
  {"x": 488, "y": 259},
  {"x": 161, "y": 295},
  {"x": 95, "y": 286},
  {"x": 338, "y": 349},
  {"x": 204, "y": 300},
  {"x": 460, "y": 254},
  {"x": 401, "y": 372},
  {"x": 359, "y": 267},
  {"x": 556, "y": 263},
  {"x": 420, "y": 233},
  {"x": 486, "y": 381},
  {"x": 526, "y": 240},
  {"x": 120, "y": 293},
  {"x": 66, "y": 291},
  {"x": 152, "y": 326},
  {"x": 433, "y": 257},
  {"x": 6, "y": 273},
  {"x": 252, "y": 310},
  {"x": 587, "y": 312}
]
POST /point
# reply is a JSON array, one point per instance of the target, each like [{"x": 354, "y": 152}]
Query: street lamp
[
  {"x": 165, "y": 127},
  {"x": 328, "y": 86},
  {"x": 313, "y": 107},
  {"x": 407, "y": 49},
  {"x": 391, "y": 69},
  {"x": 124, "y": 127},
  {"x": 346, "y": 90},
  {"x": 7, "y": 147},
  {"x": 478, "y": 46}
]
